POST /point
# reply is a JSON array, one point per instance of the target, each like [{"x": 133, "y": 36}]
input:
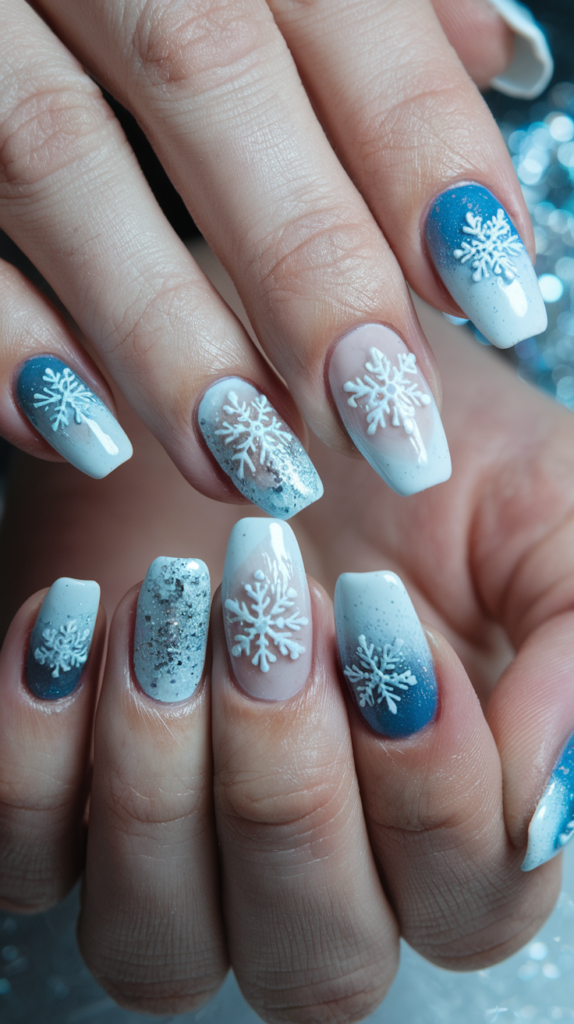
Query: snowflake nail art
[
  {"x": 266, "y": 609},
  {"x": 490, "y": 247},
  {"x": 386, "y": 391},
  {"x": 552, "y": 824},
  {"x": 62, "y": 396},
  {"x": 256, "y": 449},
  {"x": 384, "y": 654},
  {"x": 61, "y": 637}
]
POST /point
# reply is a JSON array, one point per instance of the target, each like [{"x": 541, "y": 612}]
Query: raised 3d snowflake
[
  {"x": 490, "y": 247},
  {"x": 267, "y": 619},
  {"x": 64, "y": 648},
  {"x": 387, "y": 391},
  {"x": 64, "y": 395},
  {"x": 256, "y": 430},
  {"x": 378, "y": 675}
]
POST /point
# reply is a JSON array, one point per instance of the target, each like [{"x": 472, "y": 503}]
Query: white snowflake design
[
  {"x": 268, "y": 620},
  {"x": 64, "y": 648},
  {"x": 64, "y": 395},
  {"x": 490, "y": 247},
  {"x": 377, "y": 674},
  {"x": 387, "y": 391},
  {"x": 255, "y": 426}
]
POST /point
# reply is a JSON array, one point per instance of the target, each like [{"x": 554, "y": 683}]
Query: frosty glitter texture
[
  {"x": 552, "y": 824},
  {"x": 61, "y": 637}
]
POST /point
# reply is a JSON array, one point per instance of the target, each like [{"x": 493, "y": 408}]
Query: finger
[
  {"x": 74, "y": 199},
  {"x": 266, "y": 190},
  {"x": 150, "y": 927},
  {"x": 310, "y": 932},
  {"x": 422, "y": 131},
  {"x": 49, "y": 670},
  {"x": 482, "y": 40},
  {"x": 431, "y": 784}
]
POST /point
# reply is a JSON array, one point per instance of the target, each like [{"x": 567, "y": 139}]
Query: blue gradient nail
[
  {"x": 72, "y": 419},
  {"x": 484, "y": 264},
  {"x": 552, "y": 824},
  {"x": 61, "y": 638},
  {"x": 262, "y": 456},
  {"x": 384, "y": 653},
  {"x": 170, "y": 634}
]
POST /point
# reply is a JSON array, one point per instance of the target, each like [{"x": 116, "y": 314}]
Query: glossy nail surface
[
  {"x": 72, "y": 419},
  {"x": 484, "y": 264},
  {"x": 170, "y": 633},
  {"x": 262, "y": 456},
  {"x": 384, "y": 653},
  {"x": 61, "y": 638},
  {"x": 266, "y": 609},
  {"x": 552, "y": 824},
  {"x": 388, "y": 409}
]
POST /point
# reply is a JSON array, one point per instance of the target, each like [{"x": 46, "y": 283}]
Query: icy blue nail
[
  {"x": 262, "y": 456},
  {"x": 72, "y": 419},
  {"x": 384, "y": 653},
  {"x": 552, "y": 824},
  {"x": 171, "y": 627},
  {"x": 61, "y": 638},
  {"x": 484, "y": 264}
]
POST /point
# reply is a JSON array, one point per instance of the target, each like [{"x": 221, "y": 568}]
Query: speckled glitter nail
[
  {"x": 384, "y": 653},
  {"x": 61, "y": 638},
  {"x": 552, "y": 824},
  {"x": 170, "y": 634},
  {"x": 262, "y": 456}
]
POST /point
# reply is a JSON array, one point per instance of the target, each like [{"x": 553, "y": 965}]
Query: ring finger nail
[
  {"x": 384, "y": 653},
  {"x": 72, "y": 419},
  {"x": 267, "y": 609},
  {"x": 61, "y": 637},
  {"x": 265, "y": 460},
  {"x": 552, "y": 824},
  {"x": 484, "y": 264},
  {"x": 170, "y": 633},
  {"x": 388, "y": 409}
]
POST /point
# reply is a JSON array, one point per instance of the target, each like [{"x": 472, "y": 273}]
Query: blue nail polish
[
  {"x": 61, "y": 638},
  {"x": 384, "y": 654},
  {"x": 72, "y": 419},
  {"x": 262, "y": 456},
  {"x": 172, "y": 622},
  {"x": 484, "y": 264},
  {"x": 552, "y": 824}
]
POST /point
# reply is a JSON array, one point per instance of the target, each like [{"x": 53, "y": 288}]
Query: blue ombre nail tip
[
  {"x": 61, "y": 638},
  {"x": 72, "y": 419},
  {"x": 484, "y": 264},
  {"x": 552, "y": 824},
  {"x": 384, "y": 653},
  {"x": 262, "y": 456},
  {"x": 172, "y": 622}
]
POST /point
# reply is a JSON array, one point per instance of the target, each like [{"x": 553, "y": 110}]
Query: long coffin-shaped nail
[
  {"x": 552, "y": 824},
  {"x": 267, "y": 609},
  {"x": 262, "y": 456},
  {"x": 384, "y": 653},
  {"x": 388, "y": 409},
  {"x": 61, "y": 638},
  {"x": 170, "y": 633},
  {"x": 484, "y": 264},
  {"x": 72, "y": 419}
]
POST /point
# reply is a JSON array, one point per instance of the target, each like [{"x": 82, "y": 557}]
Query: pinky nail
[
  {"x": 552, "y": 824},
  {"x": 61, "y": 638}
]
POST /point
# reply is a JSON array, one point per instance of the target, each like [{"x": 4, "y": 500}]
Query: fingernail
[
  {"x": 552, "y": 824},
  {"x": 170, "y": 634},
  {"x": 61, "y": 638},
  {"x": 388, "y": 409},
  {"x": 267, "y": 609},
  {"x": 72, "y": 419},
  {"x": 530, "y": 71},
  {"x": 262, "y": 456},
  {"x": 384, "y": 653},
  {"x": 484, "y": 264}
]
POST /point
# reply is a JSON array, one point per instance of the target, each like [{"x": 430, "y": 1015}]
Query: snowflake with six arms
[
  {"x": 377, "y": 674},
  {"x": 64, "y": 648},
  {"x": 267, "y": 621},
  {"x": 388, "y": 392},
  {"x": 490, "y": 247},
  {"x": 64, "y": 395},
  {"x": 255, "y": 427}
]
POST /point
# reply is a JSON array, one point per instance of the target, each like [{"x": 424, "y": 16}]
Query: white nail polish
[
  {"x": 532, "y": 66},
  {"x": 552, "y": 824}
]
